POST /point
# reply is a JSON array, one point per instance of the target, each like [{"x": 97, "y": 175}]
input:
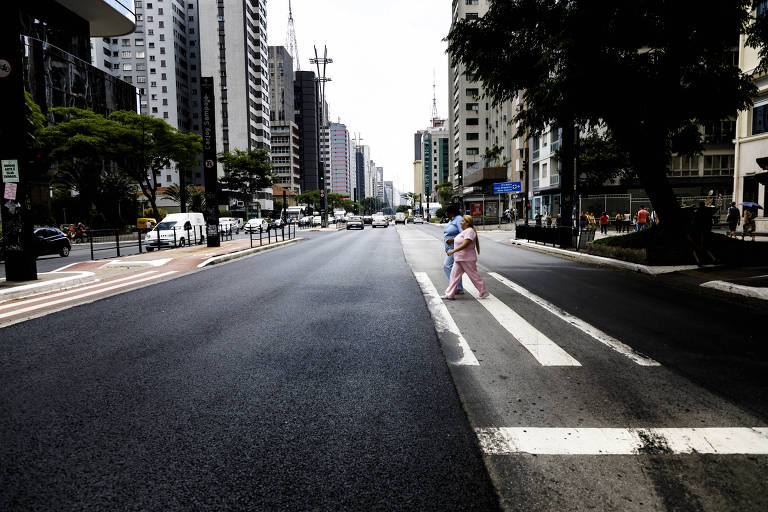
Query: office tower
[
  {"x": 161, "y": 59},
  {"x": 306, "y": 100},
  {"x": 360, "y": 160},
  {"x": 286, "y": 139},
  {"x": 340, "y": 151},
  {"x": 435, "y": 159}
]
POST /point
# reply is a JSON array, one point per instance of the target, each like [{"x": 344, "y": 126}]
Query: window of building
[
  {"x": 165, "y": 115},
  {"x": 472, "y": 16},
  {"x": 473, "y": 92},
  {"x": 473, "y": 136},
  {"x": 126, "y": 54},
  {"x": 473, "y": 151},
  {"x": 140, "y": 54},
  {"x": 160, "y": 24},
  {"x": 127, "y": 67},
  {"x": 141, "y": 66},
  {"x": 128, "y": 78},
  {"x": 139, "y": 42},
  {"x": 760, "y": 117},
  {"x": 154, "y": 110},
  {"x": 471, "y": 2},
  {"x": 150, "y": 32},
  {"x": 141, "y": 79},
  {"x": 718, "y": 165}
]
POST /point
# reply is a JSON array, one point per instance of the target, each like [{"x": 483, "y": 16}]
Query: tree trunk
[
  {"x": 650, "y": 161},
  {"x": 567, "y": 171}
]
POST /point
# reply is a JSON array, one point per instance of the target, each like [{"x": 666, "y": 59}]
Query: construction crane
[{"x": 290, "y": 39}]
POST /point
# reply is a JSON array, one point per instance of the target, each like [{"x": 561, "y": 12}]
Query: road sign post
[{"x": 209, "y": 161}]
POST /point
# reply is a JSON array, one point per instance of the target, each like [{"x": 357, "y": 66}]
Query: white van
[{"x": 176, "y": 230}]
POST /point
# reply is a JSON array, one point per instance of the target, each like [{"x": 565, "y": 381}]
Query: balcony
[{"x": 478, "y": 175}]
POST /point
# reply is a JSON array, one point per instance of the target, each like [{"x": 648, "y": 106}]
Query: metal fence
[{"x": 627, "y": 203}]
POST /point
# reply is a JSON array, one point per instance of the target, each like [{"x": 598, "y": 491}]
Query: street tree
[
  {"x": 312, "y": 198},
  {"x": 194, "y": 197},
  {"x": 412, "y": 198},
  {"x": 445, "y": 192},
  {"x": 80, "y": 142},
  {"x": 651, "y": 74},
  {"x": 246, "y": 172},
  {"x": 143, "y": 145},
  {"x": 371, "y": 205}
]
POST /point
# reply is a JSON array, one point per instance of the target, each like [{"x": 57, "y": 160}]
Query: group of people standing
[{"x": 734, "y": 219}]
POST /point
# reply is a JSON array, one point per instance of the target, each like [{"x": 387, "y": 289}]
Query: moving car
[
  {"x": 399, "y": 218},
  {"x": 367, "y": 219},
  {"x": 355, "y": 222},
  {"x": 418, "y": 219},
  {"x": 176, "y": 230},
  {"x": 379, "y": 220},
  {"x": 52, "y": 241}
]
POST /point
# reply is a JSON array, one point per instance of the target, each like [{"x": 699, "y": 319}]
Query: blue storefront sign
[{"x": 507, "y": 187}]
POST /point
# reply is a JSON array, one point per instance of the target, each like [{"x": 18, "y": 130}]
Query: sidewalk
[{"x": 182, "y": 259}]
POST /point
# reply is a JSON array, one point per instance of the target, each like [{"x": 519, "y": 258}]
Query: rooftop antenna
[
  {"x": 435, "y": 116},
  {"x": 290, "y": 38}
]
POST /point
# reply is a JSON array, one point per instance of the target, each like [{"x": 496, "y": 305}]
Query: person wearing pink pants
[{"x": 466, "y": 247}]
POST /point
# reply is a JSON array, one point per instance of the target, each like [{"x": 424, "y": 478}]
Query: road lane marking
[
  {"x": 443, "y": 320},
  {"x": 546, "y": 351},
  {"x": 83, "y": 295},
  {"x": 583, "y": 326},
  {"x": 623, "y": 441},
  {"x": 70, "y": 291}
]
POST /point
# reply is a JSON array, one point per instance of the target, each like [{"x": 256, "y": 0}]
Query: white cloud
[{"x": 384, "y": 55}]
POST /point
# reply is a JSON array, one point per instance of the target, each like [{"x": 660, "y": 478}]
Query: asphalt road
[
  {"x": 304, "y": 378},
  {"x": 712, "y": 361}
]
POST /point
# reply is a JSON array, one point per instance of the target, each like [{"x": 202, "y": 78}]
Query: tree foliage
[
  {"x": 651, "y": 73},
  {"x": 445, "y": 192},
  {"x": 195, "y": 197},
  {"x": 246, "y": 172}
]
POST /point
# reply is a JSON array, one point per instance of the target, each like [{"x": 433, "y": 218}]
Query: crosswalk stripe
[
  {"x": 546, "y": 351},
  {"x": 443, "y": 320},
  {"x": 81, "y": 295},
  {"x": 583, "y": 326},
  {"x": 622, "y": 441}
]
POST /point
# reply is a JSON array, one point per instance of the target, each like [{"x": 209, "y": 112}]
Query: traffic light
[{"x": 762, "y": 163}]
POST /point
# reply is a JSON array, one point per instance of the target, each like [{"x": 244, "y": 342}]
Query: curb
[
  {"x": 246, "y": 252},
  {"x": 738, "y": 289},
  {"x": 63, "y": 283},
  {"x": 600, "y": 260}
]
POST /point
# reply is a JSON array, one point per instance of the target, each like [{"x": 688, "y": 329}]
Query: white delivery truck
[{"x": 176, "y": 230}]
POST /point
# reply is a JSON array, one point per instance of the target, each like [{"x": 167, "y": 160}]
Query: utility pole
[
  {"x": 16, "y": 135},
  {"x": 322, "y": 79}
]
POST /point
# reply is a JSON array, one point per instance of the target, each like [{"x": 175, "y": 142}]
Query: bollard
[
  {"x": 91, "y": 240},
  {"x": 188, "y": 238},
  {"x": 283, "y": 227},
  {"x": 117, "y": 242},
  {"x": 139, "y": 232},
  {"x": 259, "y": 235}
]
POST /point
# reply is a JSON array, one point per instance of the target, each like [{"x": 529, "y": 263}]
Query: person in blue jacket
[{"x": 451, "y": 229}]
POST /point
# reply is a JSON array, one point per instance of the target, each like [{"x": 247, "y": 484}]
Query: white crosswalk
[{"x": 623, "y": 441}]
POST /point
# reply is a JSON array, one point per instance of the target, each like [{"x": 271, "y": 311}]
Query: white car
[
  {"x": 418, "y": 219},
  {"x": 253, "y": 225},
  {"x": 317, "y": 220},
  {"x": 379, "y": 221},
  {"x": 227, "y": 226}
]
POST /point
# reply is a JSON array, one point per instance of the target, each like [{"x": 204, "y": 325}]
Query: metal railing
[
  {"x": 562, "y": 236},
  {"x": 278, "y": 232}
]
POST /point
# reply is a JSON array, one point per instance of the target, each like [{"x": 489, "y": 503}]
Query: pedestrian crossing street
[{"x": 513, "y": 316}]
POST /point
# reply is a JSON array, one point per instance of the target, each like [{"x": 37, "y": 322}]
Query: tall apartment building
[
  {"x": 379, "y": 183},
  {"x": 436, "y": 160},
  {"x": 286, "y": 139},
  {"x": 161, "y": 59},
  {"x": 389, "y": 195},
  {"x": 418, "y": 162},
  {"x": 340, "y": 160},
  {"x": 360, "y": 159},
  {"x": 750, "y": 180},
  {"x": 233, "y": 50},
  {"x": 475, "y": 125}
]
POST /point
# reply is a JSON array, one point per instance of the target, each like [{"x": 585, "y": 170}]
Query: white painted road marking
[
  {"x": 83, "y": 295},
  {"x": 546, "y": 351},
  {"x": 583, "y": 326},
  {"x": 443, "y": 320},
  {"x": 622, "y": 441}
]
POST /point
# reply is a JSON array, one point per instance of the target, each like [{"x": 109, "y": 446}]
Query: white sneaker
[{"x": 484, "y": 295}]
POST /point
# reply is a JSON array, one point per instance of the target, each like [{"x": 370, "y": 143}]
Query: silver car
[
  {"x": 379, "y": 221},
  {"x": 355, "y": 222}
]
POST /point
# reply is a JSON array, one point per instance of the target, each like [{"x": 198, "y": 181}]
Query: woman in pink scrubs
[{"x": 466, "y": 247}]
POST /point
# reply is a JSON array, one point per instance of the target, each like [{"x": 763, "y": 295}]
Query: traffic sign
[{"x": 507, "y": 187}]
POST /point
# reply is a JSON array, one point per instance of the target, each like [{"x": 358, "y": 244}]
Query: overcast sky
[{"x": 384, "y": 55}]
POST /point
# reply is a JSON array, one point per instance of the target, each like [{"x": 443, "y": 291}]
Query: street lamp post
[{"x": 322, "y": 79}]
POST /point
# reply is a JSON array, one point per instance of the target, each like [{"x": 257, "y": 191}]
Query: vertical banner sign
[{"x": 209, "y": 161}]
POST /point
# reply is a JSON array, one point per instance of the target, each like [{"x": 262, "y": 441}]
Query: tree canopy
[{"x": 648, "y": 71}]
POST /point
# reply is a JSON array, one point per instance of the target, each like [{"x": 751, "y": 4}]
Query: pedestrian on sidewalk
[
  {"x": 466, "y": 247},
  {"x": 549, "y": 220},
  {"x": 750, "y": 213},
  {"x": 619, "y": 220},
  {"x": 604, "y": 223},
  {"x": 583, "y": 221},
  {"x": 642, "y": 218},
  {"x": 451, "y": 229},
  {"x": 733, "y": 219}
]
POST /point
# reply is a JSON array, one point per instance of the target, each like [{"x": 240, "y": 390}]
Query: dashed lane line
[
  {"x": 83, "y": 295},
  {"x": 543, "y": 349},
  {"x": 583, "y": 326},
  {"x": 443, "y": 320},
  {"x": 623, "y": 441}
]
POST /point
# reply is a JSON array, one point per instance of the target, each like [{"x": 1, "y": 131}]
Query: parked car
[
  {"x": 317, "y": 220},
  {"x": 237, "y": 221},
  {"x": 226, "y": 225},
  {"x": 305, "y": 221},
  {"x": 418, "y": 219},
  {"x": 355, "y": 222},
  {"x": 254, "y": 224},
  {"x": 379, "y": 220},
  {"x": 399, "y": 218},
  {"x": 176, "y": 230},
  {"x": 52, "y": 241}
]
